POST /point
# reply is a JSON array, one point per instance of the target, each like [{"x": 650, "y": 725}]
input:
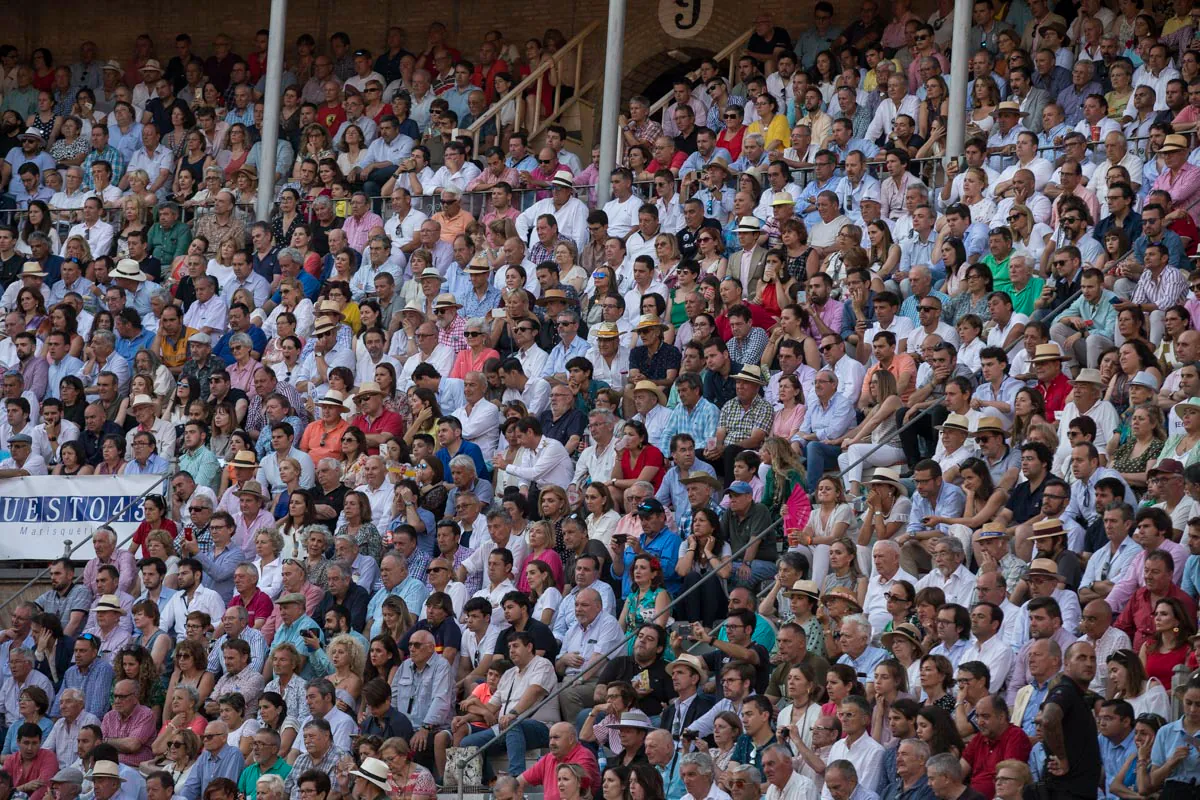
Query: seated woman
[
  {"x": 1147, "y": 436},
  {"x": 647, "y": 600},
  {"x": 984, "y": 501},
  {"x": 600, "y": 727},
  {"x": 875, "y": 438},
  {"x": 181, "y": 750}
]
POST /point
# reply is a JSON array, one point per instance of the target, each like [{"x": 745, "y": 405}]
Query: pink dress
[{"x": 786, "y": 423}]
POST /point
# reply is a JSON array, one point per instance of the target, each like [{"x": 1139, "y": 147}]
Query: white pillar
[
  {"x": 960, "y": 59},
  {"x": 271, "y": 100},
  {"x": 614, "y": 53}
]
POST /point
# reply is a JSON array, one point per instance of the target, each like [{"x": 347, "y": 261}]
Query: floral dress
[{"x": 1125, "y": 461}]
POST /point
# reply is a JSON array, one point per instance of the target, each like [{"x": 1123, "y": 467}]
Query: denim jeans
[
  {"x": 525, "y": 735},
  {"x": 818, "y": 455}
]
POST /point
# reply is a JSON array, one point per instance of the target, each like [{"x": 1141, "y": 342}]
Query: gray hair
[
  {"x": 605, "y": 416},
  {"x": 860, "y": 620},
  {"x": 37, "y": 237},
  {"x": 450, "y": 191},
  {"x": 70, "y": 694},
  {"x": 831, "y": 374},
  {"x": 500, "y": 514},
  {"x": 921, "y": 269},
  {"x": 845, "y": 767},
  {"x": 241, "y": 338},
  {"x": 920, "y": 749},
  {"x": 953, "y": 544},
  {"x": 276, "y": 538},
  {"x": 240, "y": 610},
  {"x": 104, "y": 336},
  {"x": 190, "y": 691},
  {"x": 701, "y": 761},
  {"x": 464, "y": 461},
  {"x": 204, "y": 499},
  {"x": 886, "y": 544},
  {"x": 756, "y": 138},
  {"x": 323, "y": 202},
  {"x": 751, "y": 773},
  {"x": 270, "y": 783},
  {"x": 945, "y": 764},
  {"x": 292, "y": 252},
  {"x": 645, "y": 486},
  {"x": 347, "y": 538},
  {"x": 333, "y": 463}
]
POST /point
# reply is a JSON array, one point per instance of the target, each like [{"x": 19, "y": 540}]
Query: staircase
[
  {"x": 729, "y": 53},
  {"x": 574, "y": 113}
]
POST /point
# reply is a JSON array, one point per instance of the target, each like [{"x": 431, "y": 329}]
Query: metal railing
[
  {"x": 481, "y": 752},
  {"x": 516, "y": 95}
]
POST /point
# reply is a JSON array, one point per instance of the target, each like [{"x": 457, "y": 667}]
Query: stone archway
[{"x": 653, "y": 77}]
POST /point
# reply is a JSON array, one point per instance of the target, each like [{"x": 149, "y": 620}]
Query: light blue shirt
[
  {"x": 865, "y": 664},
  {"x": 393, "y": 152},
  {"x": 1169, "y": 738},
  {"x": 410, "y": 590},
  {"x": 829, "y": 421},
  {"x": 227, "y": 763},
  {"x": 450, "y": 394},
  {"x": 696, "y": 161},
  {"x": 1035, "y": 703},
  {"x": 1191, "y": 575},
  {"x": 808, "y": 196},
  {"x": 70, "y": 365},
  {"x": 954, "y": 652},
  {"x": 1104, "y": 563},
  {"x": 126, "y": 143},
  {"x": 1007, "y": 393},
  {"x": 1113, "y": 757},
  {"x": 155, "y": 465},
  {"x": 556, "y": 362},
  {"x": 1102, "y": 314},
  {"x": 117, "y": 365},
  {"x": 701, "y": 423},
  {"x": 673, "y": 493},
  {"x": 458, "y": 282},
  {"x": 950, "y": 503},
  {"x": 913, "y": 251},
  {"x": 864, "y": 146}
]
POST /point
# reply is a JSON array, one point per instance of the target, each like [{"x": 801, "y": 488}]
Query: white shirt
[
  {"x": 210, "y": 316},
  {"x": 481, "y": 425},
  {"x": 798, "y": 787},
  {"x": 99, "y": 237},
  {"x": 445, "y": 179},
  {"x": 533, "y": 360},
  {"x": 495, "y": 594},
  {"x": 1101, "y": 412},
  {"x": 41, "y": 443},
  {"x": 572, "y": 220},
  {"x": 997, "y": 335},
  {"x": 548, "y": 464},
  {"x": 442, "y": 359},
  {"x": 918, "y": 335},
  {"x": 866, "y": 755},
  {"x": 596, "y": 465},
  {"x": 174, "y": 615},
  {"x": 1144, "y": 77},
  {"x": 403, "y": 231},
  {"x": 34, "y": 464},
  {"x": 473, "y": 645},
  {"x": 536, "y": 397},
  {"x": 360, "y": 83},
  {"x": 850, "y": 374},
  {"x": 615, "y": 373},
  {"x": 998, "y": 656},
  {"x": 881, "y": 123},
  {"x": 875, "y": 603},
  {"x": 622, "y": 216},
  {"x": 1040, "y": 167},
  {"x": 164, "y": 439},
  {"x": 596, "y": 640},
  {"x": 958, "y": 588}
]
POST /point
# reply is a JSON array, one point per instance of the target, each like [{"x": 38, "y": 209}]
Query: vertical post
[
  {"x": 959, "y": 61},
  {"x": 270, "y": 131},
  {"x": 614, "y": 55}
]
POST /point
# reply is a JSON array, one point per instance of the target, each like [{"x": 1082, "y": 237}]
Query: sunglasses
[
  {"x": 825, "y": 348},
  {"x": 472, "y": 334},
  {"x": 544, "y": 161}
]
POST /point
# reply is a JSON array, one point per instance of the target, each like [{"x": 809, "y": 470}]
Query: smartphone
[
  {"x": 621, "y": 538},
  {"x": 499, "y": 313}
]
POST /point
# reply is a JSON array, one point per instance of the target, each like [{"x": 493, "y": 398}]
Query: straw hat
[
  {"x": 106, "y": 769},
  {"x": 329, "y": 307},
  {"x": 479, "y": 265},
  {"x": 957, "y": 422},
  {"x": 333, "y": 399},
  {"x": 697, "y": 476},
  {"x": 32, "y": 269},
  {"x": 1010, "y": 107},
  {"x": 649, "y": 321},
  {"x": 690, "y": 661},
  {"x": 141, "y": 400},
  {"x": 108, "y": 602},
  {"x": 782, "y": 199},
  {"x": 1047, "y": 529},
  {"x": 906, "y": 630},
  {"x": 244, "y": 460},
  {"x": 607, "y": 330},
  {"x": 1183, "y": 406},
  {"x": 563, "y": 179},
  {"x": 635, "y": 719},
  {"x": 749, "y": 225},
  {"x": 807, "y": 588},
  {"x": 32, "y": 133},
  {"x": 374, "y": 771},
  {"x": 1174, "y": 142},
  {"x": 989, "y": 425},
  {"x": 555, "y": 295},
  {"x": 651, "y": 386},
  {"x": 251, "y": 488},
  {"x": 130, "y": 270},
  {"x": 114, "y": 65},
  {"x": 752, "y": 374},
  {"x": 1048, "y": 352},
  {"x": 992, "y": 530},
  {"x": 151, "y": 65},
  {"x": 446, "y": 300},
  {"x": 841, "y": 593},
  {"x": 718, "y": 163},
  {"x": 366, "y": 389},
  {"x": 324, "y": 326},
  {"x": 1043, "y": 568},
  {"x": 888, "y": 477},
  {"x": 1089, "y": 376}
]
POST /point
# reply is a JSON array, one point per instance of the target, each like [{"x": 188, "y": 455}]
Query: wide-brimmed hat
[
  {"x": 252, "y": 488},
  {"x": 992, "y": 530},
  {"x": 649, "y": 321},
  {"x": 691, "y": 662},
  {"x": 446, "y": 300},
  {"x": 32, "y": 133},
  {"x": 1174, "y": 142},
  {"x": 106, "y": 769},
  {"x": 806, "y": 588},
  {"x": 244, "y": 459},
  {"x": 607, "y": 330},
  {"x": 1146, "y": 380},
  {"x": 113, "y": 64},
  {"x": 1058, "y": 28},
  {"x": 1047, "y": 529},
  {"x": 250, "y": 170},
  {"x": 751, "y": 373},
  {"x": 651, "y": 386},
  {"x": 130, "y": 270},
  {"x": 719, "y": 163},
  {"x": 555, "y": 295},
  {"x": 142, "y": 400},
  {"x": 108, "y": 602},
  {"x": 906, "y": 630},
  {"x": 1089, "y": 376},
  {"x": 1010, "y": 107},
  {"x": 989, "y": 425},
  {"x": 329, "y": 308},
  {"x": 782, "y": 199},
  {"x": 957, "y": 422},
  {"x": 151, "y": 65},
  {"x": 479, "y": 265},
  {"x": 324, "y": 326},
  {"x": 1192, "y": 404},
  {"x": 367, "y": 388},
  {"x": 333, "y": 399},
  {"x": 32, "y": 269},
  {"x": 842, "y": 593},
  {"x": 1048, "y": 352},
  {"x": 563, "y": 179},
  {"x": 1043, "y": 568},
  {"x": 697, "y": 476},
  {"x": 414, "y": 306},
  {"x": 888, "y": 477},
  {"x": 374, "y": 771},
  {"x": 634, "y": 719},
  {"x": 749, "y": 225}
]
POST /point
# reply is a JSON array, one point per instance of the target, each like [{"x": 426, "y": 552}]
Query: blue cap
[{"x": 739, "y": 487}]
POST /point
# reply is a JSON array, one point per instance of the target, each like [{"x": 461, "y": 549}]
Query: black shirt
[
  {"x": 720, "y": 390},
  {"x": 91, "y": 441},
  {"x": 448, "y": 634},
  {"x": 572, "y": 423},
  {"x": 760, "y": 44},
  {"x": 152, "y": 267},
  {"x": 688, "y": 246},
  {"x": 335, "y": 500},
  {"x": 543, "y": 639},
  {"x": 1024, "y": 502},
  {"x": 1079, "y": 736},
  {"x": 716, "y": 661},
  {"x": 393, "y": 724},
  {"x": 624, "y": 668}
]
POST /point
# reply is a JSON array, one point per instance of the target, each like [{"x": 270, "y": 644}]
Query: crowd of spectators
[{"x": 733, "y": 485}]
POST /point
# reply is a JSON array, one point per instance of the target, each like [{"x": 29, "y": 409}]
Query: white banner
[{"x": 37, "y": 514}]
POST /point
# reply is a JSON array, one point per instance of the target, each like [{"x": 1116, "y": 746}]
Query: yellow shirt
[{"x": 778, "y": 129}]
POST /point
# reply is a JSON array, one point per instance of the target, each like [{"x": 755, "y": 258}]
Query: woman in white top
[
  {"x": 831, "y": 519},
  {"x": 798, "y": 718},
  {"x": 542, "y": 591},
  {"x": 268, "y": 544},
  {"x": 1127, "y": 681},
  {"x": 241, "y": 727},
  {"x": 602, "y": 517},
  {"x": 1029, "y": 236},
  {"x": 974, "y": 194}
]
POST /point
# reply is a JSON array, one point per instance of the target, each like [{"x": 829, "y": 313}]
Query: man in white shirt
[
  {"x": 96, "y": 232},
  {"x": 856, "y": 745},
  {"x": 429, "y": 350},
  {"x": 533, "y": 391},
  {"x": 584, "y": 649},
  {"x": 885, "y": 561},
  {"x": 545, "y": 461},
  {"x": 570, "y": 212},
  {"x": 208, "y": 313},
  {"x": 480, "y": 417},
  {"x": 987, "y": 645},
  {"x": 193, "y": 595},
  {"x": 456, "y": 173},
  {"x": 622, "y": 209},
  {"x": 949, "y": 573},
  {"x": 898, "y": 101},
  {"x": 404, "y": 224}
]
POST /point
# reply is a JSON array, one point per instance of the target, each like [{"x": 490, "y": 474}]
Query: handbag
[{"x": 464, "y": 766}]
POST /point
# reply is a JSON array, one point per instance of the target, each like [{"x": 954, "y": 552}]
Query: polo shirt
[
  {"x": 1083, "y": 749},
  {"x": 386, "y": 422},
  {"x": 983, "y": 755},
  {"x": 544, "y": 772}
]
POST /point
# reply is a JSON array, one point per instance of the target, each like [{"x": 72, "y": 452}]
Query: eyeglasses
[
  {"x": 732, "y": 116},
  {"x": 524, "y": 329},
  {"x": 1070, "y": 220},
  {"x": 564, "y": 324},
  {"x": 1014, "y": 217},
  {"x": 896, "y": 598}
]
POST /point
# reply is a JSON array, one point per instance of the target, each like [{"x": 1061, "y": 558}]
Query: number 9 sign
[{"x": 683, "y": 19}]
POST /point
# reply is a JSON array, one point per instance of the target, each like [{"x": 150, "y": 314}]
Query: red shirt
[
  {"x": 387, "y": 422},
  {"x": 1137, "y": 619},
  {"x": 42, "y": 768},
  {"x": 1055, "y": 395},
  {"x": 331, "y": 117},
  {"x": 488, "y": 82},
  {"x": 260, "y": 606},
  {"x": 983, "y": 755},
  {"x": 759, "y": 318},
  {"x": 143, "y": 530},
  {"x": 544, "y": 772},
  {"x": 1187, "y": 229}
]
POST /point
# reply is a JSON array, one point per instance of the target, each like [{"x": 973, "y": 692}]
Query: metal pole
[
  {"x": 614, "y": 52},
  {"x": 959, "y": 60},
  {"x": 270, "y": 131}
]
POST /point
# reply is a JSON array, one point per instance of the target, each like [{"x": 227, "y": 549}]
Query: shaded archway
[{"x": 654, "y": 76}]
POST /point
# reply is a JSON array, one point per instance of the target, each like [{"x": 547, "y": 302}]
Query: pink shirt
[
  {"x": 1184, "y": 188},
  {"x": 243, "y": 377},
  {"x": 358, "y": 230},
  {"x": 260, "y": 606},
  {"x": 138, "y": 725}
]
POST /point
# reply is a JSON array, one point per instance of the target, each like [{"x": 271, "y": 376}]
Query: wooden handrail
[
  {"x": 729, "y": 51},
  {"x": 517, "y": 93}
]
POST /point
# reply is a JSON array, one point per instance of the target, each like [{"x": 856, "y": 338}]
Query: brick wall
[{"x": 113, "y": 24}]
